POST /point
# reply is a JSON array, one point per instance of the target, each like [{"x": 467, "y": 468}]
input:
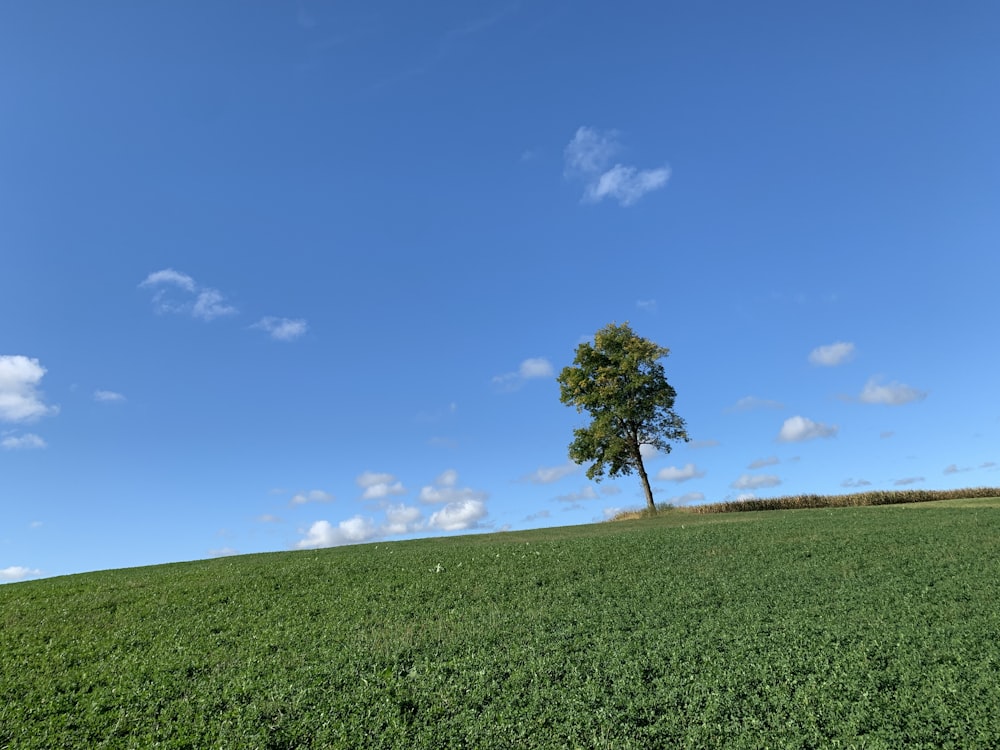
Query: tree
[{"x": 620, "y": 382}]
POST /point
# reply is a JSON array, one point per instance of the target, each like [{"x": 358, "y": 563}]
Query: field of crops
[{"x": 874, "y": 627}]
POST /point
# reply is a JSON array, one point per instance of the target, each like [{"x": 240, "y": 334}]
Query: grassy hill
[{"x": 851, "y": 627}]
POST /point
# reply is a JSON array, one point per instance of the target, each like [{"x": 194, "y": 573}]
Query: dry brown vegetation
[{"x": 792, "y": 502}]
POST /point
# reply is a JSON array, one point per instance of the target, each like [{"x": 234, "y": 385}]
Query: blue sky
[{"x": 284, "y": 275}]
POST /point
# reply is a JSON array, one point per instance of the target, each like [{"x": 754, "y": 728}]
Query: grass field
[{"x": 874, "y": 627}]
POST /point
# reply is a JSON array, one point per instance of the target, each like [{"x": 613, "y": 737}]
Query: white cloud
[
  {"x": 886, "y": 434},
  {"x": 402, "y": 519},
  {"x": 796, "y": 429},
  {"x": 892, "y": 394},
  {"x": 674, "y": 474},
  {"x": 626, "y": 184},
  {"x": 399, "y": 519},
  {"x": 908, "y": 480},
  {"x": 588, "y": 156},
  {"x": 459, "y": 514},
  {"x": 20, "y": 400},
  {"x": 648, "y": 451},
  {"x": 647, "y": 305},
  {"x": 108, "y": 396},
  {"x": 550, "y": 474},
  {"x": 21, "y": 442},
  {"x": 377, "y": 486},
  {"x": 18, "y": 573},
  {"x": 282, "y": 329},
  {"x": 268, "y": 518},
  {"x": 832, "y": 355},
  {"x": 352, "y": 531},
  {"x": 535, "y": 367},
  {"x": 170, "y": 276},
  {"x": 750, "y": 403},
  {"x": 447, "y": 478},
  {"x": 223, "y": 552},
  {"x": 207, "y": 305},
  {"x": 612, "y": 511},
  {"x": 689, "y": 498},
  {"x": 760, "y": 463},
  {"x": 590, "y": 151},
  {"x": 312, "y": 496},
  {"x": 446, "y": 490},
  {"x": 755, "y": 481},
  {"x": 211, "y": 305}
]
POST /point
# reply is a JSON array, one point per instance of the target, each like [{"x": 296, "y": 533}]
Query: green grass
[{"x": 871, "y": 627}]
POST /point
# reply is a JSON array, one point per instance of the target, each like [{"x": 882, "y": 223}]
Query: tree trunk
[{"x": 645, "y": 484}]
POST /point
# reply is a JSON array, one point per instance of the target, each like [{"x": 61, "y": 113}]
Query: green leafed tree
[{"x": 620, "y": 382}]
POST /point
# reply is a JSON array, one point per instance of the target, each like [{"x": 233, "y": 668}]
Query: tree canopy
[{"x": 619, "y": 381}]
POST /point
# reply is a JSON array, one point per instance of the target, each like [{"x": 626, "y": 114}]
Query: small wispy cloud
[
  {"x": 282, "y": 329},
  {"x": 550, "y": 474},
  {"x": 699, "y": 444},
  {"x": 956, "y": 469},
  {"x": 855, "y": 483},
  {"x": 908, "y": 480},
  {"x": 590, "y": 151},
  {"x": 760, "y": 463},
  {"x": 27, "y": 441},
  {"x": 755, "y": 481},
  {"x": 891, "y": 394},
  {"x": 689, "y": 498},
  {"x": 587, "y": 493},
  {"x": 207, "y": 303},
  {"x": 210, "y": 305},
  {"x": 626, "y": 184},
  {"x": 588, "y": 157},
  {"x": 312, "y": 496},
  {"x": 682, "y": 474},
  {"x": 832, "y": 355},
  {"x": 108, "y": 397},
  {"x": 169, "y": 276},
  {"x": 530, "y": 369},
  {"x": 646, "y": 305},
  {"x": 798, "y": 429},
  {"x": 537, "y": 516}
]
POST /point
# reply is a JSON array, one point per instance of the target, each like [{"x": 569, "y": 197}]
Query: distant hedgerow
[{"x": 877, "y": 497}]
